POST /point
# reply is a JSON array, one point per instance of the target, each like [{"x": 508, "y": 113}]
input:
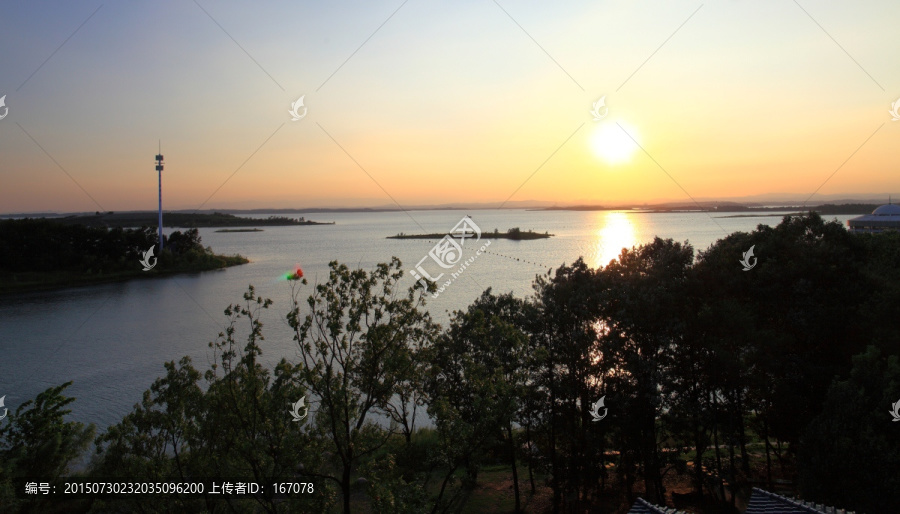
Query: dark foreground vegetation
[
  {"x": 44, "y": 254},
  {"x": 714, "y": 378},
  {"x": 180, "y": 220},
  {"x": 514, "y": 233}
]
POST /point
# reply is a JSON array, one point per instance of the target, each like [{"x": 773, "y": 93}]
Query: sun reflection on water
[{"x": 616, "y": 232}]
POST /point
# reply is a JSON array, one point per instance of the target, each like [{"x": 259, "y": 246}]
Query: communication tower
[{"x": 159, "y": 168}]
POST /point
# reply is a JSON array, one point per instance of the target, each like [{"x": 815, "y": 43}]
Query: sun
[{"x": 612, "y": 142}]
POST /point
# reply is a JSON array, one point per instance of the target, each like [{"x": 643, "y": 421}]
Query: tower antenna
[{"x": 159, "y": 168}]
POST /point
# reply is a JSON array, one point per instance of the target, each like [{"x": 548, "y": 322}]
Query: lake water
[{"x": 113, "y": 339}]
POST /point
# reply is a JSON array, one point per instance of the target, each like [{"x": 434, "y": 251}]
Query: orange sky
[{"x": 446, "y": 102}]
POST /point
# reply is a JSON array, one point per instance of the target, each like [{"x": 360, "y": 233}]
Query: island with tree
[{"x": 515, "y": 233}]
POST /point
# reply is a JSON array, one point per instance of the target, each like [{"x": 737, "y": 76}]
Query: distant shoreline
[
  {"x": 764, "y": 215},
  {"x": 850, "y": 207},
  {"x": 783, "y": 210}
]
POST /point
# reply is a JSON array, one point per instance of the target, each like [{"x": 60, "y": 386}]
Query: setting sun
[{"x": 612, "y": 142}]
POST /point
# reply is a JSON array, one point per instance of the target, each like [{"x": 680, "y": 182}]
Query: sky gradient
[{"x": 446, "y": 102}]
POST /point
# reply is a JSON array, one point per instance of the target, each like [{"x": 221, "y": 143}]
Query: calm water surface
[{"x": 113, "y": 339}]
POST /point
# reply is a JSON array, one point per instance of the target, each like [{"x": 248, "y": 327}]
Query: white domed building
[{"x": 886, "y": 217}]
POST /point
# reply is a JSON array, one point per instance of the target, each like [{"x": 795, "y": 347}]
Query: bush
[{"x": 37, "y": 442}]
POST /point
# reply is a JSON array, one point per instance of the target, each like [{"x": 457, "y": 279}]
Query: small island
[
  {"x": 42, "y": 254},
  {"x": 514, "y": 233}
]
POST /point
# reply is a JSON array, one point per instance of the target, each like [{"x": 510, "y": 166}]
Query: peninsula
[
  {"x": 180, "y": 220},
  {"x": 40, "y": 254}
]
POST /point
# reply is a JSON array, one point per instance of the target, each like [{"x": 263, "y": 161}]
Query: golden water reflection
[{"x": 616, "y": 231}]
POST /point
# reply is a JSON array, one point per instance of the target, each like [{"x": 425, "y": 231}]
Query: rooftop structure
[
  {"x": 642, "y": 506},
  {"x": 770, "y": 503},
  {"x": 886, "y": 217},
  {"x": 761, "y": 502}
]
